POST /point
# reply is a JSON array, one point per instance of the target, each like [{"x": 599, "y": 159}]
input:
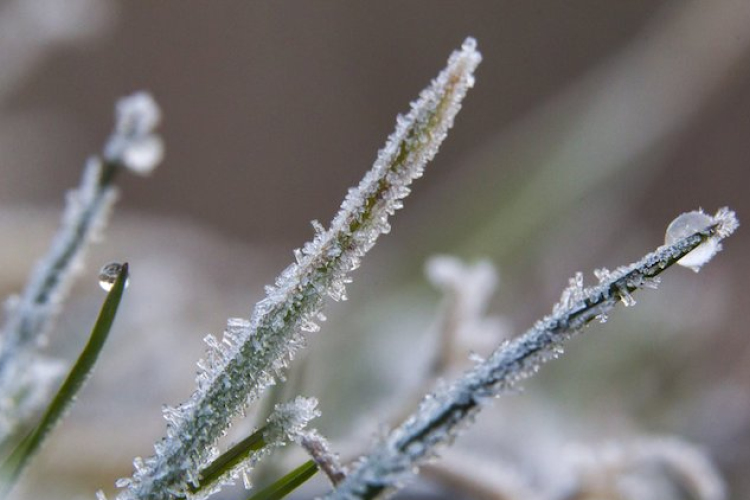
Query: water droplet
[
  {"x": 108, "y": 274},
  {"x": 685, "y": 225}
]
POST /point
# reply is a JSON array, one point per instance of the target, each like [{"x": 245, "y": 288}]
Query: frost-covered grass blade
[
  {"x": 230, "y": 459},
  {"x": 252, "y": 354},
  {"x": 441, "y": 415},
  {"x": 285, "y": 424},
  {"x": 25, "y": 450}
]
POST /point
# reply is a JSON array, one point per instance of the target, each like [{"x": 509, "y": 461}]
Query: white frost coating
[
  {"x": 134, "y": 143},
  {"x": 442, "y": 415},
  {"x": 688, "y": 223},
  {"x": 285, "y": 424},
  {"x": 253, "y": 353},
  {"x": 29, "y": 317},
  {"x": 319, "y": 449}
]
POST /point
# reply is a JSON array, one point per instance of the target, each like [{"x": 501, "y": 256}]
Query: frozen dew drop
[
  {"x": 143, "y": 155},
  {"x": 685, "y": 225},
  {"x": 108, "y": 274}
]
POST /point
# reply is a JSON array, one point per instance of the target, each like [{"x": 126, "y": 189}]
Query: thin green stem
[
  {"x": 234, "y": 456},
  {"x": 288, "y": 483},
  {"x": 14, "y": 465}
]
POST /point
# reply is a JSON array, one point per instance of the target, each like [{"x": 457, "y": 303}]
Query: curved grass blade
[
  {"x": 288, "y": 483},
  {"x": 13, "y": 466}
]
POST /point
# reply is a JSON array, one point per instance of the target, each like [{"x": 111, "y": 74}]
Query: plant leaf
[
  {"x": 288, "y": 483},
  {"x": 13, "y": 466},
  {"x": 231, "y": 458}
]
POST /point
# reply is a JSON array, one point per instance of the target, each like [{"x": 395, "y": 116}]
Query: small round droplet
[
  {"x": 108, "y": 274},
  {"x": 685, "y": 225}
]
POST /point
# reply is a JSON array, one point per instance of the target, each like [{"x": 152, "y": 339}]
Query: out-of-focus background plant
[{"x": 593, "y": 124}]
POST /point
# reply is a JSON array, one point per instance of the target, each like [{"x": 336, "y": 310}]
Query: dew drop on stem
[
  {"x": 685, "y": 225},
  {"x": 108, "y": 274}
]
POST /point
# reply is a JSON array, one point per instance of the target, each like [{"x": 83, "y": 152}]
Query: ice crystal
[
  {"x": 442, "y": 415},
  {"x": 236, "y": 373}
]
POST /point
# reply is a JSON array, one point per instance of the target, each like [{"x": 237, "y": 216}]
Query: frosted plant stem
[
  {"x": 32, "y": 312},
  {"x": 24, "y": 373},
  {"x": 253, "y": 353},
  {"x": 319, "y": 449},
  {"x": 441, "y": 415},
  {"x": 285, "y": 424}
]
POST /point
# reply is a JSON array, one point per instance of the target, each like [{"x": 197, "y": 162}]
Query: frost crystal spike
[
  {"x": 238, "y": 371},
  {"x": 443, "y": 414}
]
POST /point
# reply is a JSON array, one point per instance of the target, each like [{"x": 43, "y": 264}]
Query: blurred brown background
[{"x": 591, "y": 126}]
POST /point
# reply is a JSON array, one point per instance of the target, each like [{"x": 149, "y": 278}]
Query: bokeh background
[{"x": 591, "y": 126}]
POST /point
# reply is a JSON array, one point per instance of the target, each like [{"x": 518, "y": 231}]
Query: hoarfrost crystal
[
  {"x": 238, "y": 372},
  {"x": 443, "y": 414},
  {"x": 285, "y": 424},
  {"x": 84, "y": 218}
]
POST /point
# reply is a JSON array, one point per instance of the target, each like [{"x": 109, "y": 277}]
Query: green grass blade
[
  {"x": 231, "y": 458},
  {"x": 13, "y": 466},
  {"x": 288, "y": 483}
]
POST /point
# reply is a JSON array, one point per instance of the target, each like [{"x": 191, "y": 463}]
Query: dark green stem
[
  {"x": 14, "y": 465},
  {"x": 288, "y": 483}
]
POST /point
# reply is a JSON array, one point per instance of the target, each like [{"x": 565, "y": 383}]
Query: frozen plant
[
  {"x": 442, "y": 414},
  {"x": 253, "y": 353},
  {"x": 285, "y": 424},
  {"x": 25, "y": 373}
]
